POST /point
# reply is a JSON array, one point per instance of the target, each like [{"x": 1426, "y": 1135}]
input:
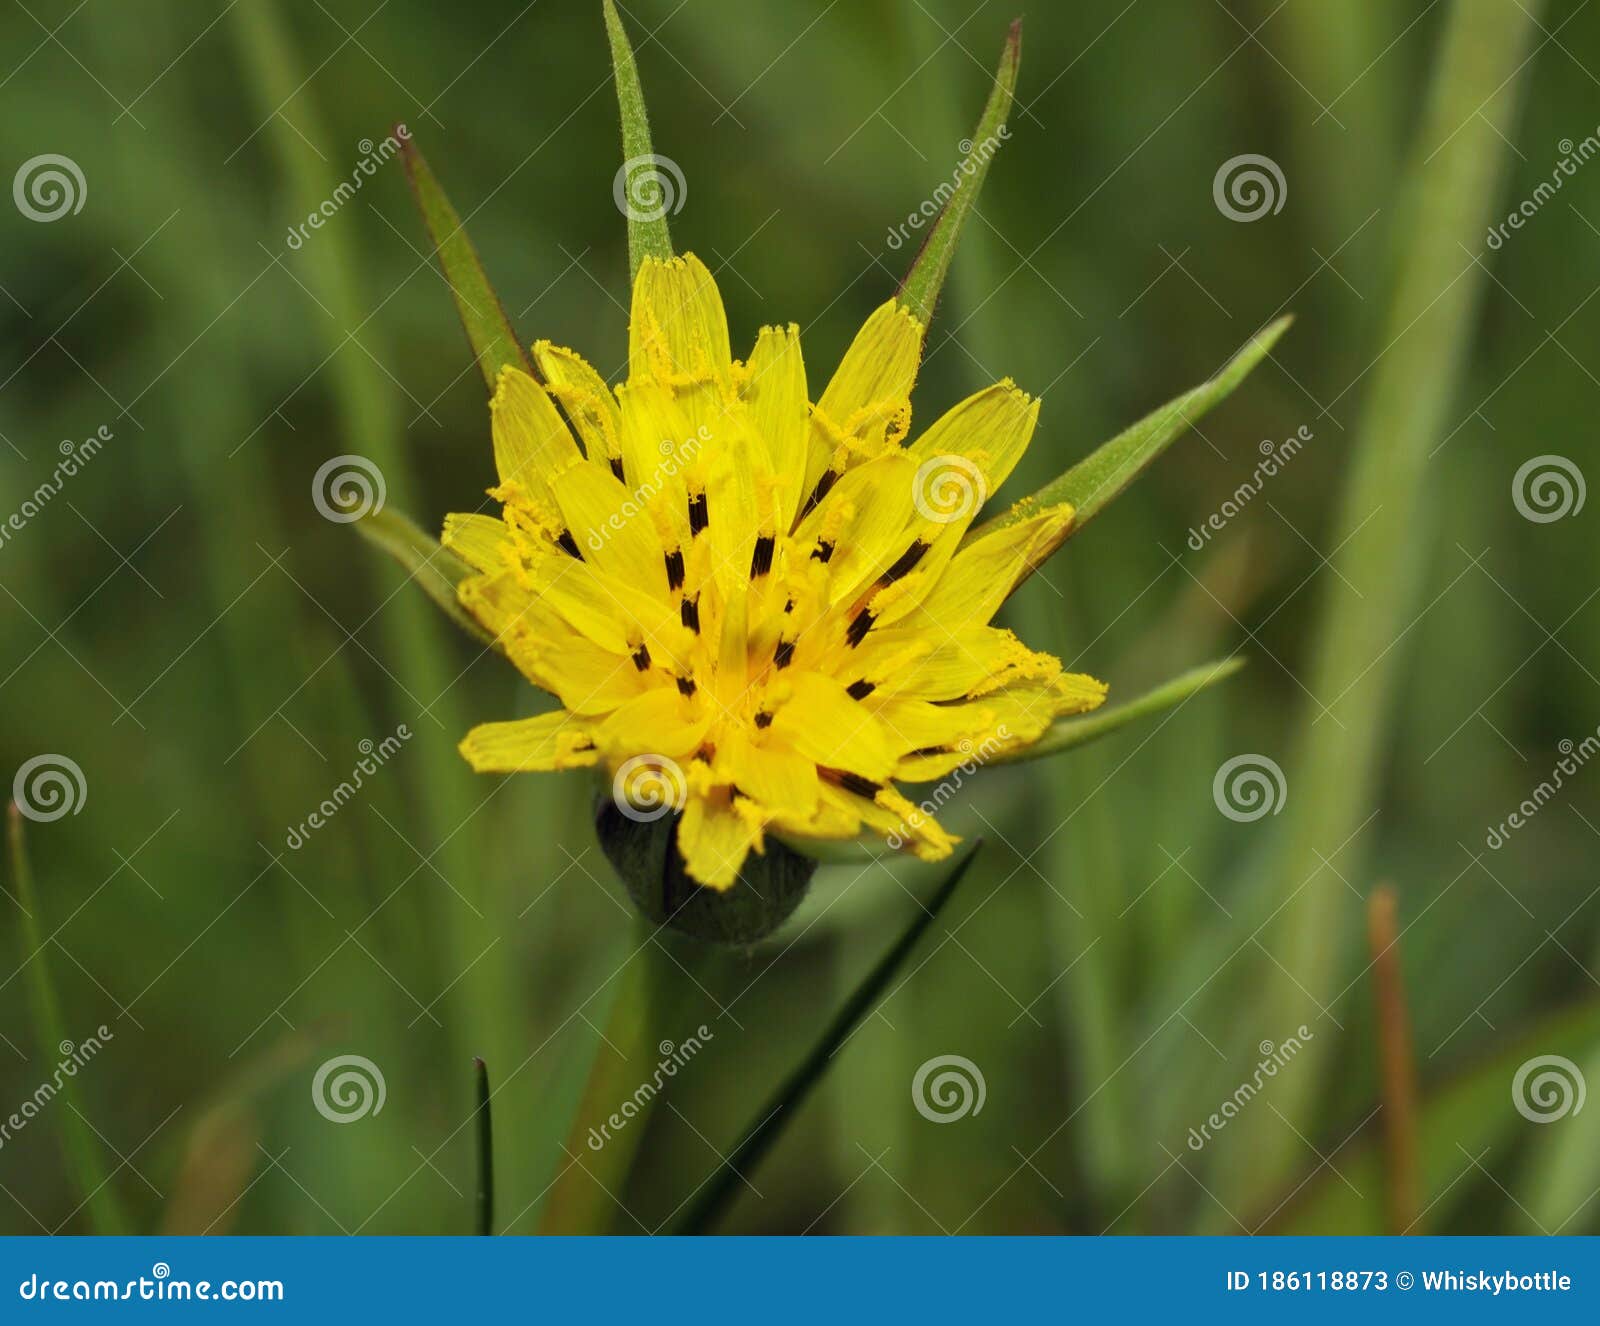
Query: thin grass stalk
[
  {"x": 370, "y": 424},
  {"x": 90, "y": 1177},
  {"x": 1453, "y": 180},
  {"x": 1397, "y": 1065}
]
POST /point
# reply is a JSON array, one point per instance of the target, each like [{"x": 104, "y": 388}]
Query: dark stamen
[
  {"x": 859, "y": 627},
  {"x": 675, "y": 569},
  {"x": 689, "y": 612},
  {"x": 784, "y": 654},
  {"x": 761, "y": 559},
  {"x": 686, "y": 685},
  {"x": 641, "y": 657},
  {"x": 569, "y": 545},
  {"x": 823, "y": 551},
  {"x": 859, "y": 690},
  {"x": 699, "y": 517},
  {"x": 616, "y": 467},
  {"x": 862, "y": 787},
  {"x": 907, "y": 562},
  {"x": 828, "y": 479},
  {"x": 763, "y": 719},
  {"x": 927, "y": 750}
]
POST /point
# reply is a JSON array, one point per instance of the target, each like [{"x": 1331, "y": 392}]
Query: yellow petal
[
  {"x": 586, "y": 398},
  {"x": 612, "y": 529},
  {"x": 661, "y": 722},
  {"x": 776, "y": 391},
  {"x": 815, "y": 716},
  {"x": 481, "y": 541},
  {"x": 556, "y": 740},
  {"x": 982, "y": 575},
  {"x": 715, "y": 837},
  {"x": 678, "y": 331},
  {"x": 867, "y": 403},
  {"x": 780, "y": 780},
  {"x": 531, "y": 441},
  {"x": 988, "y": 431}
]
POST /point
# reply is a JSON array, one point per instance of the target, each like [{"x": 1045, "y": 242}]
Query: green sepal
[
  {"x": 920, "y": 290},
  {"x": 1090, "y": 485},
  {"x": 648, "y": 235},
  {"x": 436, "y": 569},
  {"x": 489, "y": 330},
  {"x": 1069, "y": 733}
]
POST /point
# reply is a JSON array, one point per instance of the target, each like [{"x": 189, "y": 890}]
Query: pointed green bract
[
  {"x": 920, "y": 290},
  {"x": 89, "y": 1175},
  {"x": 770, "y": 1123},
  {"x": 1068, "y": 733},
  {"x": 1090, "y": 485},
  {"x": 488, "y": 329},
  {"x": 433, "y": 566},
  {"x": 648, "y": 236}
]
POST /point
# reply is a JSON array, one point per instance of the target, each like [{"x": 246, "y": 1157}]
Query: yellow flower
[{"x": 757, "y": 610}]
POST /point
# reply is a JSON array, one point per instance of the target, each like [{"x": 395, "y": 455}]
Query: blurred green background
[{"x": 181, "y": 623}]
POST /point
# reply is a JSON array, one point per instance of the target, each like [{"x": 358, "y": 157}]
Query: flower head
[{"x": 757, "y": 610}]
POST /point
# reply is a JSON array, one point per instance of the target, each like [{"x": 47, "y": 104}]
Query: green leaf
[
  {"x": 1091, "y": 484},
  {"x": 485, "y": 1151},
  {"x": 90, "y": 1177},
  {"x": 719, "y": 1191},
  {"x": 433, "y": 566},
  {"x": 488, "y": 328},
  {"x": 920, "y": 290},
  {"x": 648, "y": 236},
  {"x": 1068, "y": 733}
]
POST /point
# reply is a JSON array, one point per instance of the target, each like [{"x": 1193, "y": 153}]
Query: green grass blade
[
  {"x": 1072, "y": 732},
  {"x": 89, "y": 1175},
  {"x": 648, "y": 236},
  {"x": 485, "y": 1151},
  {"x": 1091, "y": 484},
  {"x": 489, "y": 330},
  {"x": 920, "y": 290},
  {"x": 718, "y": 1193},
  {"x": 434, "y": 567},
  {"x": 1457, "y": 164}
]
